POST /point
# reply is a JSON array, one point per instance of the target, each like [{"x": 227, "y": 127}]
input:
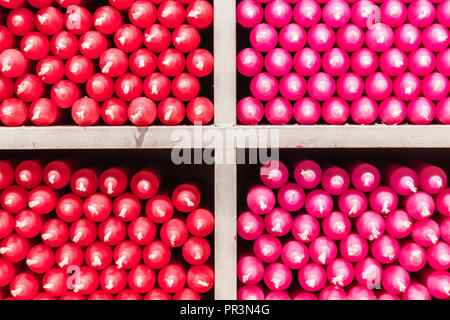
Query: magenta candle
[
  {"x": 385, "y": 249},
  {"x": 370, "y": 225},
  {"x": 335, "y": 180},
  {"x": 250, "y": 62},
  {"x": 393, "y": 13},
  {"x": 292, "y": 86},
  {"x": 442, "y": 62},
  {"x": 420, "y": 205},
  {"x": 421, "y": 61},
  {"x": 438, "y": 283},
  {"x": 250, "y": 270},
  {"x": 350, "y": 86},
  {"x": 340, "y": 272},
  {"x": 250, "y": 226},
  {"x": 432, "y": 179},
  {"x": 353, "y": 203},
  {"x": 336, "y": 13},
  {"x": 321, "y": 37},
  {"x": 312, "y": 277},
  {"x": 321, "y": 86},
  {"x": 426, "y": 232},
  {"x": 421, "y": 111},
  {"x": 319, "y": 203},
  {"x": 393, "y": 62},
  {"x": 250, "y": 111},
  {"x": 278, "y": 62},
  {"x": 442, "y": 13},
  {"x": 278, "y": 13},
  {"x": 416, "y": 291},
  {"x": 421, "y": 13},
  {"x": 307, "y": 111},
  {"x": 353, "y": 247},
  {"x": 278, "y": 222},
  {"x": 399, "y": 224},
  {"x": 249, "y": 13},
  {"x": 305, "y": 228},
  {"x": 443, "y": 202},
  {"x": 364, "y": 62},
  {"x": 267, "y": 248},
  {"x": 264, "y": 86},
  {"x": 364, "y": 110},
  {"x": 336, "y": 226},
  {"x": 368, "y": 272},
  {"x": 407, "y": 37},
  {"x": 378, "y": 86},
  {"x": 278, "y": 111},
  {"x": 402, "y": 179},
  {"x": 264, "y": 37},
  {"x": 274, "y": 174},
  {"x": 307, "y": 13},
  {"x": 407, "y": 86},
  {"x": 295, "y": 255},
  {"x": 335, "y": 61},
  {"x": 350, "y": 37},
  {"x": 361, "y": 293},
  {"x": 379, "y": 37},
  {"x": 335, "y": 111},
  {"x": 392, "y": 111},
  {"x": 383, "y": 200},
  {"x": 445, "y": 229},
  {"x": 292, "y": 37},
  {"x": 412, "y": 257},
  {"x": 438, "y": 256},
  {"x": 291, "y": 197},
  {"x": 261, "y": 200},
  {"x": 323, "y": 250},
  {"x": 435, "y": 86},
  {"x": 365, "y": 13},
  {"x": 308, "y": 174},
  {"x": 395, "y": 279},
  {"x": 277, "y": 277},
  {"x": 307, "y": 62}
]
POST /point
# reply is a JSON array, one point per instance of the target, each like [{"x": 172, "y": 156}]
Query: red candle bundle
[
  {"x": 82, "y": 53},
  {"x": 113, "y": 236},
  {"x": 357, "y": 239},
  {"x": 371, "y": 61}
]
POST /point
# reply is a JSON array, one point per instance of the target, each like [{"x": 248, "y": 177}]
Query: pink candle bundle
[
  {"x": 127, "y": 62},
  {"x": 358, "y": 232},
  {"x": 70, "y": 232},
  {"x": 357, "y": 62}
]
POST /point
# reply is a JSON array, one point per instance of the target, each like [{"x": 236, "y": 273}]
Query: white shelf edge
[{"x": 163, "y": 137}]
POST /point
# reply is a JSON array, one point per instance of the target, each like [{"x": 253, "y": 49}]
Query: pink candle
[
  {"x": 335, "y": 180},
  {"x": 305, "y": 228},
  {"x": 250, "y": 226},
  {"x": 426, "y": 232},
  {"x": 278, "y": 222},
  {"x": 365, "y": 177},
  {"x": 250, "y": 270},
  {"x": 353, "y": 247},
  {"x": 308, "y": 174},
  {"x": 295, "y": 255},
  {"x": 368, "y": 272},
  {"x": 353, "y": 203},
  {"x": 291, "y": 197},
  {"x": 336, "y": 225},
  {"x": 399, "y": 224},
  {"x": 319, "y": 203},
  {"x": 385, "y": 249},
  {"x": 383, "y": 200},
  {"x": 370, "y": 225},
  {"x": 340, "y": 272}
]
